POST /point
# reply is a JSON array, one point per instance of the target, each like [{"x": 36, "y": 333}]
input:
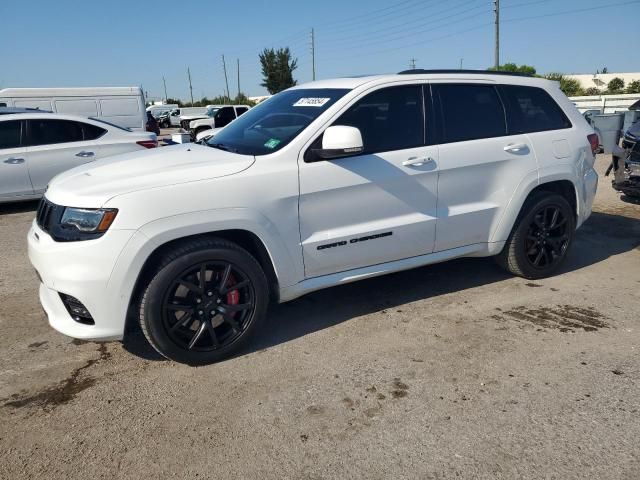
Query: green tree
[
  {"x": 615, "y": 86},
  {"x": 592, "y": 91},
  {"x": 174, "y": 101},
  {"x": 277, "y": 69},
  {"x": 634, "y": 86},
  {"x": 570, "y": 86},
  {"x": 512, "y": 67}
]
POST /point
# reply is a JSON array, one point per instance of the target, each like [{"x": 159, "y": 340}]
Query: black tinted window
[
  {"x": 47, "y": 132},
  {"x": 10, "y": 134},
  {"x": 469, "y": 112},
  {"x": 241, "y": 110},
  {"x": 225, "y": 114},
  {"x": 388, "y": 119},
  {"x": 531, "y": 109},
  {"x": 91, "y": 132}
]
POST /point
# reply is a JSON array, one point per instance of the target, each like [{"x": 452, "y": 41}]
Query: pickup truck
[{"x": 218, "y": 116}]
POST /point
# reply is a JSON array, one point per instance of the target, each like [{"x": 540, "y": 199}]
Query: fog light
[{"x": 77, "y": 310}]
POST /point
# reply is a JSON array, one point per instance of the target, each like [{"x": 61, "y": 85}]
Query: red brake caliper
[{"x": 233, "y": 297}]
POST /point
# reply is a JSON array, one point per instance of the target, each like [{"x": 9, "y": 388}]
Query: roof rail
[{"x": 465, "y": 72}]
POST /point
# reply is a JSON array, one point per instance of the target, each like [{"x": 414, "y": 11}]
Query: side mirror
[{"x": 340, "y": 141}]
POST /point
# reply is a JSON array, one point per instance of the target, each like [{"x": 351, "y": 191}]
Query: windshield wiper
[{"x": 222, "y": 146}]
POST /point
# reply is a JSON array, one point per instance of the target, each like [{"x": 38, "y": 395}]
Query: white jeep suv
[{"x": 323, "y": 184}]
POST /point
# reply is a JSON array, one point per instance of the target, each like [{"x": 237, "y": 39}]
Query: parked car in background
[
  {"x": 188, "y": 116},
  {"x": 34, "y": 147},
  {"x": 152, "y": 124},
  {"x": 217, "y": 117},
  {"x": 157, "y": 110},
  {"x": 123, "y": 106},
  {"x": 324, "y": 184}
]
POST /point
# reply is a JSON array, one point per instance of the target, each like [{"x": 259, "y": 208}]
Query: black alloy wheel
[
  {"x": 547, "y": 238},
  {"x": 208, "y": 306},
  {"x": 204, "y": 301},
  {"x": 540, "y": 239}
]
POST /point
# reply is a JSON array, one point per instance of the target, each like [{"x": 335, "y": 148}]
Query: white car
[
  {"x": 35, "y": 147},
  {"x": 323, "y": 184},
  {"x": 207, "y": 134}
]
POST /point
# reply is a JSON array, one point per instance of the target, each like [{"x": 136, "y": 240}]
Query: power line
[
  {"x": 568, "y": 12},
  {"x": 415, "y": 44},
  {"x": 387, "y": 39},
  {"x": 424, "y": 20},
  {"x": 394, "y": 7}
]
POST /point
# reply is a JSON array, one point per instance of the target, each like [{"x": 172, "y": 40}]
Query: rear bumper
[{"x": 590, "y": 187}]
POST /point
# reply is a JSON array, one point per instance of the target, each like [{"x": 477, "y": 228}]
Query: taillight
[
  {"x": 148, "y": 143},
  {"x": 594, "y": 142}
]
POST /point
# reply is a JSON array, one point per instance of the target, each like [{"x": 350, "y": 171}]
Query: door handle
[
  {"x": 14, "y": 161},
  {"x": 84, "y": 154},
  {"x": 516, "y": 147},
  {"x": 417, "y": 162}
]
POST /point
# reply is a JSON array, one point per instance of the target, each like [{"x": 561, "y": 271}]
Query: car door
[
  {"x": 480, "y": 163},
  {"x": 55, "y": 145},
  {"x": 14, "y": 175},
  {"x": 377, "y": 206}
]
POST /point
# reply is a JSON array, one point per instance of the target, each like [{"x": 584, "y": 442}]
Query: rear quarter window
[{"x": 531, "y": 109}]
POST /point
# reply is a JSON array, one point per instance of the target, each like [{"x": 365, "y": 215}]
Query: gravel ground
[{"x": 455, "y": 370}]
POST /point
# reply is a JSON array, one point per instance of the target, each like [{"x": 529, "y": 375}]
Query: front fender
[{"x": 287, "y": 265}]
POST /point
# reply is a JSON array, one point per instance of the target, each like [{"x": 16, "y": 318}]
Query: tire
[
  {"x": 539, "y": 242},
  {"x": 177, "y": 306}
]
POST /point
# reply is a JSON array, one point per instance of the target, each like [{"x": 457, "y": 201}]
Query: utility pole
[
  {"x": 226, "y": 80},
  {"x": 313, "y": 54},
  {"x": 412, "y": 63},
  {"x": 165, "y": 89},
  {"x": 461, "y": 63},
  {"x": 496, "y": 10},
  {"x": 238, "y": 77},
  {"x": 190, "y": 86}
]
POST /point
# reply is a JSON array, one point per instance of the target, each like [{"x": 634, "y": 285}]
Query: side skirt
[{"x": 318, "y": 283}]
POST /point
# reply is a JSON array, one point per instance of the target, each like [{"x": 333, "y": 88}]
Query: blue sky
[{"x": 121, "y": 43}]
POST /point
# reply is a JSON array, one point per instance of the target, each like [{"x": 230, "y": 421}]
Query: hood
[{"x": 93, "y": 184}]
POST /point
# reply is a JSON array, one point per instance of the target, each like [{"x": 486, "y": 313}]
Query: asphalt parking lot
[{"x": 455, "y": 370}]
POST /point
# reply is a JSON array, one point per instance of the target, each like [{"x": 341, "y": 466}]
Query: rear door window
[
  {"x": 241, "y": 110},
  {"x": 531, "y": 109},
  {"x": 10, "y": 134},
  {"x": 91, "y": 132},
  {"x": 48, "y": 132},
  {"x": 468, "y": 112}
]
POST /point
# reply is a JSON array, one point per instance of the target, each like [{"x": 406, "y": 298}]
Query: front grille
[
  {"x": 48, "y": 214},
  {"x": 77, "y": 310}
]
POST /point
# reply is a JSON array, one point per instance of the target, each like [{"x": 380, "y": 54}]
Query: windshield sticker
[
  {"x": 311, "y": 102},
  {"x": 272, "y": 143}
]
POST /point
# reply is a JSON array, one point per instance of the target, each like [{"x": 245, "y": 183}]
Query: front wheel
[
  {"x": 204, "y": 302},
  {"x": 541, "y": 238}
]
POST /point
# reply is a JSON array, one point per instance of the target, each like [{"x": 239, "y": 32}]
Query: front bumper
[{"x": 83, "y": 270}]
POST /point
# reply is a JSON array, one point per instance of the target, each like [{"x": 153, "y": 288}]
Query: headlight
[{"x": 88, "y": 220}]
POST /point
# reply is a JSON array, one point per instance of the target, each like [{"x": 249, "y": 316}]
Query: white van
[{"x": 122, "y": 106}]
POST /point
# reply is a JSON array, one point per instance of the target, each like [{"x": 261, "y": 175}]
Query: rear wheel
[
  {"x": 205, "y": 301},
  {"x": 541, "y": 238}
]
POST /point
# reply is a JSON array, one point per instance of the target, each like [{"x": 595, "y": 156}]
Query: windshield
[
  {"x": 275, "y": 122},
  {"x": 212, "y": 112}
]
